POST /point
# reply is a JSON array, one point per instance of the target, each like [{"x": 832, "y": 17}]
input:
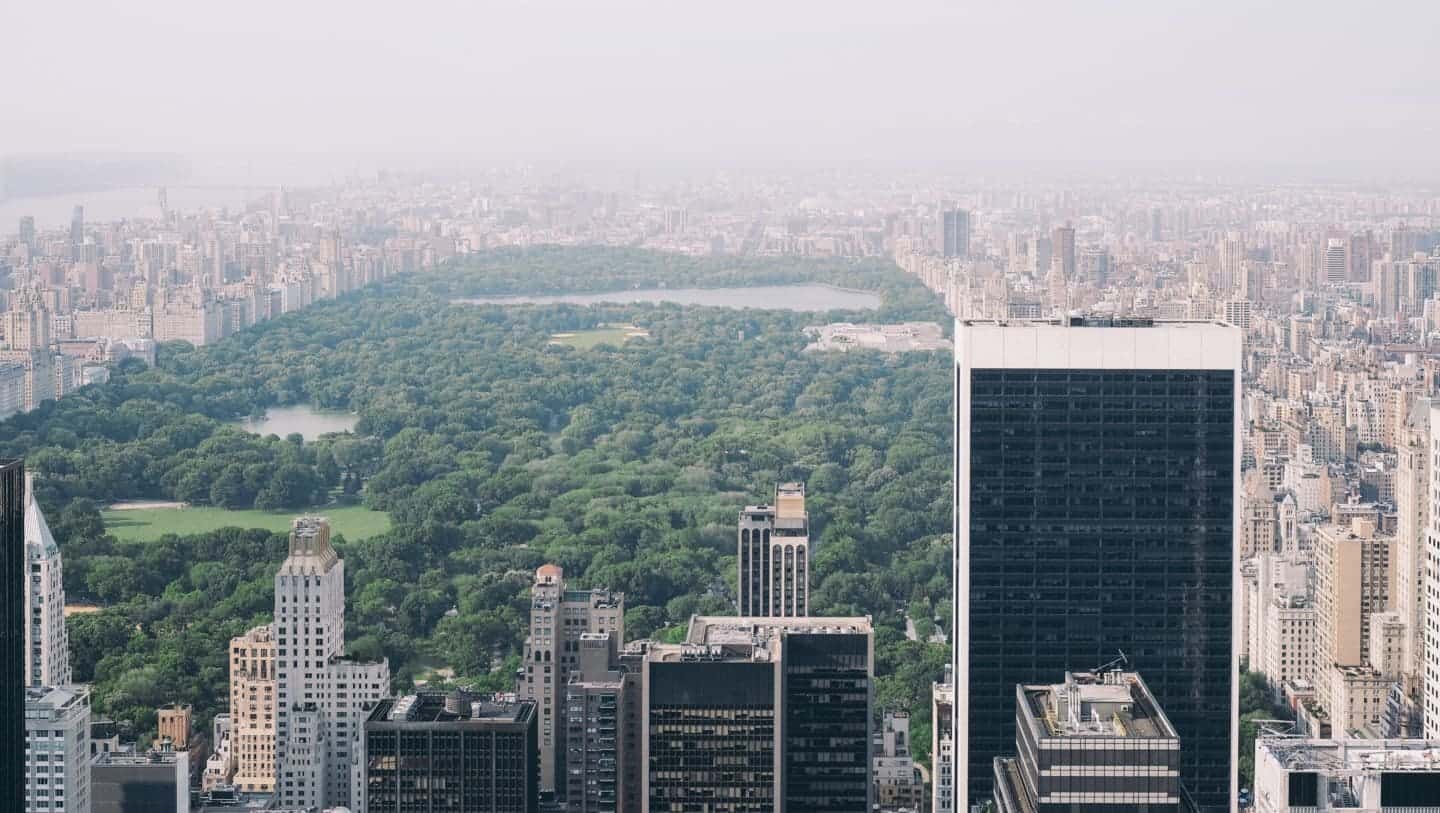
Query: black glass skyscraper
[
  {"x": 12, "y": 635},
  {"x": 1095, "y": 480}
]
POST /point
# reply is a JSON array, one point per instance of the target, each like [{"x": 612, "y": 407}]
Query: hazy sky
[{"x": 728, "y": 79}]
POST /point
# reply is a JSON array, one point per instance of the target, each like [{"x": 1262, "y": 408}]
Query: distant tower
[
  {"x": 77, "y": 232},
  {"x": 321, "y": 695},
  {"x": 47, "y": 652},
  {"x": 774, "y": 556},
  {"x": 1062, "y": 242},
  {"x": 163, "y": 198},
  {"x": 954, "y": 239},
  {"x": 1337, "y": 264},
  {"x": 27, "y": 231}
]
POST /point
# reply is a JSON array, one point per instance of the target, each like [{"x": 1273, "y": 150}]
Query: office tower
[
  {"x": 47, "y": 651},
  {"x": 1097, "y": 743},
  {"x": 942, "y": 744},
  {"x": 27, "y": 231},
  {"x": 455, "y": 751},
  {"x": 1336, "y": 264},
  {"x": 1062, "y": 242},
  {"x": 602, "y": 738},
  {"x": 558, "y": 617},
  {"x": 173, "y": 722},
  {"x": 1095, "y": 266},
  {"x": 1236, "y": 312},
  {"x": 321, "y": 696},
  {"x": 12, "y": 634},
  {"x": 129, "y": 782},
  {"x": 774, "y": 556},
  {"x": 56, "y": 749},
  {"x": 760, "y": 714},
  {"x": 954, "y": 238},
  {"x": 252, "y": 709},
  {"x": 1156, "y": 225},
  {"x": 1345, "y": 774},
  {"x": 1096, "y": 484},
  {"x": 1360, "y": 255}
]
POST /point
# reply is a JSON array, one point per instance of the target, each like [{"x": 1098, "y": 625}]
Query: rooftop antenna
[{"x": 1118, "y": 662}]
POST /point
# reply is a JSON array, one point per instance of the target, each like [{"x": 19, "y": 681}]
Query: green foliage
[
  {"x": 1256, "y": 703},
  {"x": 495, "y": 451}
]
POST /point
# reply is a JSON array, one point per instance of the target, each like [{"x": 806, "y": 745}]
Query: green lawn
[
  {"x": 587, "y": 339},
  {"x": 351, "y": 521}
]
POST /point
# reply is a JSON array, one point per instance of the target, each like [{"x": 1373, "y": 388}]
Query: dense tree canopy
[{"x": 496, "y": 451}]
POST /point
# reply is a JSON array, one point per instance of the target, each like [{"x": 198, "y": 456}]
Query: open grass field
[
  {"x": 587, "y": 339},
  {"x": 351, "y": 521}
]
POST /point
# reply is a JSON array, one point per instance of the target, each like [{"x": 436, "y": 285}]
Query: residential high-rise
[
  {"x": 1097, "y": 466},
  {"x": 56, "y": 750},
  {"x": 942, "y": 744},
  {"x": 760, "y": 714},
  {"x": 1412, "y": 524},
  {"x": 47, "y": 650},
  {"x": 12, "y": 634},
  {"x": 252, "y": 709},
  {"x": 1430, "y": 595},
  {"x": 602, "y": 738},
  {"x": 27, "y": 231},
  {"x": 954, "y": 238},
  {"x": 1097, "y": 742},
  {"x": 321, "y": 696},
  {"x": 1352, "y": 584},
  {"x": 453, "y": 751},
  {"x": 558, "y": 618},
  {"x": 773, "y": 558}
]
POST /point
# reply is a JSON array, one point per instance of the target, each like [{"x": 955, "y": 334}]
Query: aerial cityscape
[{"x": 552, "y": 407}]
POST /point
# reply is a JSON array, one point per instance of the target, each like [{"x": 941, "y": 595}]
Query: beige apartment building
[{"x": 252, "y": 709}]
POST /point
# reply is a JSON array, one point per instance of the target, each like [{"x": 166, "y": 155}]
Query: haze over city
[
  {"x": 638, "y": 407},
  {"x": 726, "y": 82}
]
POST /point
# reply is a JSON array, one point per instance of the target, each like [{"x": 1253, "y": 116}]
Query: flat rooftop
[
  {"x": 1110, "y": 704},
  {"x": 716, "y": 630},
  {"x": 435, "y": 707}
]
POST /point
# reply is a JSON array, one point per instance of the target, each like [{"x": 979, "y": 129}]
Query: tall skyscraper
[
  {"x": 454, "y": 751},
  {"x": 252, "y": 709},
  {"x": 1096, "y": 472},
  {"x": 321, "y": 696},
  {"x": 954, "y": 237},
  {"x": 12, "y": 635},
  {"x": 774, "y": 556},
  {"x": 558, "y": 618},
  {"x": 1352, "y": 584},
  {"x": 752, "y": 715},
  {"x": 47, "y": 650},
  {"x": 27, "y": 231}
]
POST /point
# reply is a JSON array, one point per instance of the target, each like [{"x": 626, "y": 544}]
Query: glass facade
[
  {"x": 464, "y": 766},
  {"x": 1101, "y": 520},
  {"x": 712, "y": 737},
  {"x": 12, "y": 634},
  {"x": 827, "y": 722}
]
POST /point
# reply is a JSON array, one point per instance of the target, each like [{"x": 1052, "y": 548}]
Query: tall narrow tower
[
  {"x": 774, "y": 556},
  {"x": 47, "y": 650},
  {"x": 321, "y": 695},
  {"x": 1096, "y": 484}
]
